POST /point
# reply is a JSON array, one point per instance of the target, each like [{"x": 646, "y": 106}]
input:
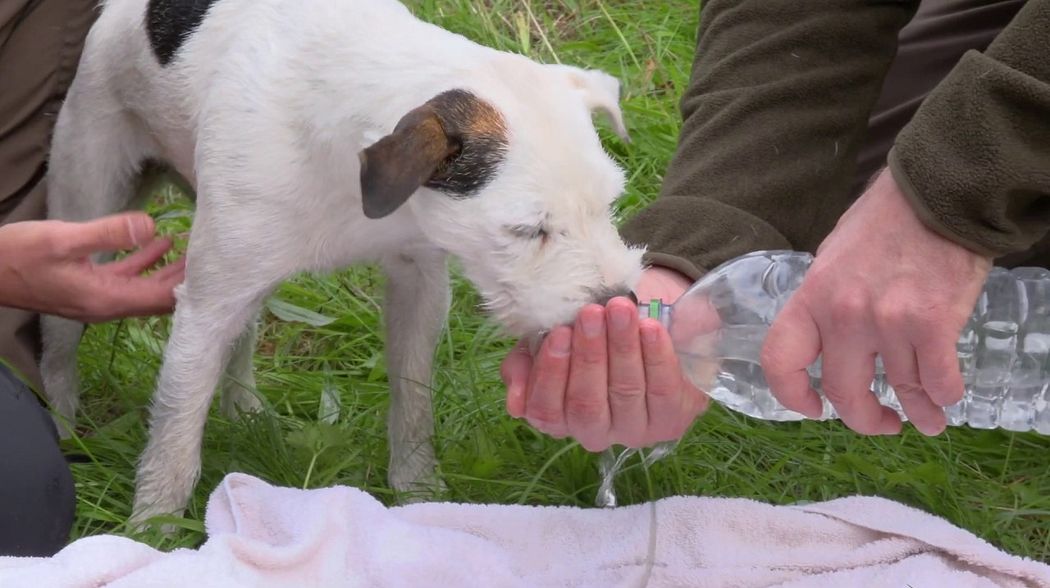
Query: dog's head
[{"x": 512, "y": 179}]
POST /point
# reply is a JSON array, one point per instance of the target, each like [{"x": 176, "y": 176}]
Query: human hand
[
  {"x": 881, "y": 283},
  {"x": 45, "y": 266},
  {"x": 608, "y": 379}
]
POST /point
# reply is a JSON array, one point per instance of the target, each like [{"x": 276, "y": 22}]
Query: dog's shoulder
[{"x": 170, "y": 22}]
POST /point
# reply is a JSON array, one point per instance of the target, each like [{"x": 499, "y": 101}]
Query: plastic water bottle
[{"x": 718, "y": 327}]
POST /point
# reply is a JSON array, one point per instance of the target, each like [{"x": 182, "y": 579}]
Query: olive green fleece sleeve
[
  {"x": 975, "y": 158},
  {"x": 778, "y": 102}
]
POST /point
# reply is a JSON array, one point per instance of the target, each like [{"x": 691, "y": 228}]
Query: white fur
[{"x": 264, "y": 112}]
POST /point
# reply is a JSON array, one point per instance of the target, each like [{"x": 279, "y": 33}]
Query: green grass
[{"x": 993, "y": 483}]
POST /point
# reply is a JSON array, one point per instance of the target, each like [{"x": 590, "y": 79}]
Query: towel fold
[{"x": 262, "y": 535}]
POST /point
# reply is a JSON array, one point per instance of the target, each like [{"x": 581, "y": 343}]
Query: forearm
[
  {"x": 975, "y": 159},
  {"x": 777, "y": 105}
]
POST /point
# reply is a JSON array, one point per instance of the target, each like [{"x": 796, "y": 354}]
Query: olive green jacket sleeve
[
  {"x": 778, "y": 103},
  {"x": 975, "y": 158}
]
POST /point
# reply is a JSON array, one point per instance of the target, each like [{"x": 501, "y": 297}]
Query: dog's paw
[
  {"x": 237, "y": 400},
  {"x": 63, "y": 426},
  {"x": 142, "y": 518},
  {"x": 161, "y": 492},
  {"x": 429, "y": 489},
  {"x": 415, "y": 478}
]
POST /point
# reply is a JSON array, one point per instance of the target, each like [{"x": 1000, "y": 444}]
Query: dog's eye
[{"x": 528, "y": 231}]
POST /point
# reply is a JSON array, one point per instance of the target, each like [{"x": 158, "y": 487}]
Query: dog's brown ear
[
  {"x": 394, "y": 167},
  {"x": 454, "y": 143}
]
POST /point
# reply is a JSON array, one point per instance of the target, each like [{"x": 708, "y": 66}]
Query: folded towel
[{"x": 261, "y": 535}]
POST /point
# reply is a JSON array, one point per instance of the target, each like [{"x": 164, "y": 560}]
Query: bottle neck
[{"x": 655, "y": 309}]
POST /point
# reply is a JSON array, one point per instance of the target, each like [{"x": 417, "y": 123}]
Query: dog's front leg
[
  {"x": 226, "y": 283},
  {"x": 417, "y": 303}
]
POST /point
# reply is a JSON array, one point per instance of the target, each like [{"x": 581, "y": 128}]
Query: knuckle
[
  {"x": 591, "y": 358},
  {"x": 55, "y": 246},
  {"x": 115, "y": 231},
  {"x": 848, "y": 306},
  {"x": 665, "y": 390},
  {"x": 622, "y": 346},
  {"x": 585, "y": 410},
  {"x": 659, "y": 361},
  {"x": 893, "y": 313},
  {"x": 626, "y": 392},
  {"x": 907, "y": 389}
]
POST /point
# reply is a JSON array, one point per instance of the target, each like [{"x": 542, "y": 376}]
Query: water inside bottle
[
  {"x": 1003, "y": 350},
  {"x": 997, "y": 341}
]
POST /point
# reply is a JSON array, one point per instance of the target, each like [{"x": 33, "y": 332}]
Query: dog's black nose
[{"x": 604, "y": 295}]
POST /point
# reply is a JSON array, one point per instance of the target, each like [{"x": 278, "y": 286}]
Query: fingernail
[
  {"x": 591, "y": 324},
  {"x": 560, "y": 342},
  {"x": 131, "y": 231},
  {"x": 140, "y": 227},
  {"x": 650, "y": 333},
  {"x": 619, "y": 318},
  {"x": 514, "y": 395}
]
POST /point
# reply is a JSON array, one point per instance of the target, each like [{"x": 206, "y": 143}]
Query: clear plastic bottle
[{"x": 719, "y": 325}]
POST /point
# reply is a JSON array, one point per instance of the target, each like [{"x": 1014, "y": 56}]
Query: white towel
[{"x": 261, "y": 535}]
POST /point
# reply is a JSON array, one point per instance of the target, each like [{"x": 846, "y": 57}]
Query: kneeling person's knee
[{"x": 36, "y": 487}]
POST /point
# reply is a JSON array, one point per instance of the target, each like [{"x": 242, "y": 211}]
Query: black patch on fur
[
  {"x": 170, "y": 22},
  {"x": 479, "y": 133}
]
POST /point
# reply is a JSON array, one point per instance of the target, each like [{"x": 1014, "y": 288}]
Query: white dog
[{"x": 319, "y": 134}]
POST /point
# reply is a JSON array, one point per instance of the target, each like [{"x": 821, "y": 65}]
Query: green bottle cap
[{"x": 654, "y": 308}]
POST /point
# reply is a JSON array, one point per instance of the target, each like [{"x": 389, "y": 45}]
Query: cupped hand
[
  {"x": 45, "y": 266},
  {"x": 882, "y": 283},
  {"x": 610, "y": 378}
]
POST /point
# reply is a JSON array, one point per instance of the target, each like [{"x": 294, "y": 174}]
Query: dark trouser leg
[
  {"x": 930, "y": 45},
  {"x": 37, "y": 499},
  {"x": 40, "y": 45},
  {"x": 941, "y": 32}
]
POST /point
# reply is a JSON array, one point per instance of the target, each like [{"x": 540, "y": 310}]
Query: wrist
[
  {"x": 894, "y": 174},
  {"x": 663, "y": 283}
]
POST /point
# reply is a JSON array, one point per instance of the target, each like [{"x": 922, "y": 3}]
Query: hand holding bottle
[{"x": 881, "y": 283}]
